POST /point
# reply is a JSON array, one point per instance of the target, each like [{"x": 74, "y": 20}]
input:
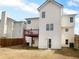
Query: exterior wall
[
  {"x": 3, "y": 29},
  {"x": 28, "y": 40},
  {"x": 10, "y": 28},
  {"x": 67, "y": 35},
  {"x": 18, "y": 30},
  {"x": 34, "y": 24},
  {"x": 10, "y": 24},
  {"x": 0, "y": 29},
  {"x": 35, "y": 41},
  {"x": 66, "y": 21},
  {"x": 53, "y": 16},
  {"x": 70, "y": 34}
]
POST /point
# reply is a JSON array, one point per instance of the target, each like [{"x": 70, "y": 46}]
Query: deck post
[{"x": 32, "y": 42}]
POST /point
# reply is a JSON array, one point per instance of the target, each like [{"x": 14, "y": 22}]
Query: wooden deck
[{"x": 31, "y": 32}]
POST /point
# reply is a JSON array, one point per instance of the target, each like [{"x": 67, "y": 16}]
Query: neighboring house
[
  {"x": 51, "y": 30},
  {"x": 10, "y": 28}
]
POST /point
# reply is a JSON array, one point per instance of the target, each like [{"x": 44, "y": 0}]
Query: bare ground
[{"x": 18, "y": 52}]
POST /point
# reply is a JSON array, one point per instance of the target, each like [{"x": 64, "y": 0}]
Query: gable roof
[{"x": 53, "y": 1}]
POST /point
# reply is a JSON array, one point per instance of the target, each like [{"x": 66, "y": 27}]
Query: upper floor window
[
  {"x": 29, "y": 21},
  {"x": 49, "y": 27},
  {"x": 43, "y": 14},
  {"x": 71, "y": 19},
  {"x": 66, "y": 29}
]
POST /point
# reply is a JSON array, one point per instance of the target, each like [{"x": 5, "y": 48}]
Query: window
[
  {"x": 51, "y": 26},
  {"x": 66, "y": 30},
  {"x": 47, "y": 27},
  {"x": 43, "y": 14},
  {"x": 29, "y": 22},
  {"x": 71, "y": 19},
  {"x": 66, "y": 42}
]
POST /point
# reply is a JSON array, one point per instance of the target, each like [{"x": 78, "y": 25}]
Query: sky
[{"x": 21, "y": 9}]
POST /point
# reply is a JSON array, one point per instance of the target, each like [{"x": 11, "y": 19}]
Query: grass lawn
[{"x": 18, "y": 52}]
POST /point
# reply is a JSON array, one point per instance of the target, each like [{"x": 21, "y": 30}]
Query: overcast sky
[{"x": 20, "y": 9}]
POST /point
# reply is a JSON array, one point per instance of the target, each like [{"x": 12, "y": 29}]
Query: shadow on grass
[{"x": 71, "y": 52}]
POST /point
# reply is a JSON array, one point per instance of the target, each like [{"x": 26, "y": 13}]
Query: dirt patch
[{"x": 18, "y": 52}]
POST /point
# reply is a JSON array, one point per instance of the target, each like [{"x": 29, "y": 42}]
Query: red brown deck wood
[{"x": 31, "y": 32}]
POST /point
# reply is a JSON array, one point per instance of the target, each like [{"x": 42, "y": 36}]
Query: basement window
[
  {"x": 66, "y": 42},
  {"x": 66, "y": 30}
]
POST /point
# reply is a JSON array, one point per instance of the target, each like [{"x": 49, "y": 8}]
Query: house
[
  {"x": 10, "y": 28},
  {"x": 52, "y": 29},
  {"x": 56, "y": 30},
  {"x": 11, "y": 31}
]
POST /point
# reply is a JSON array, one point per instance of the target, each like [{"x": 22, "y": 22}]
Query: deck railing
[{"x": 31, "y": 32}]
